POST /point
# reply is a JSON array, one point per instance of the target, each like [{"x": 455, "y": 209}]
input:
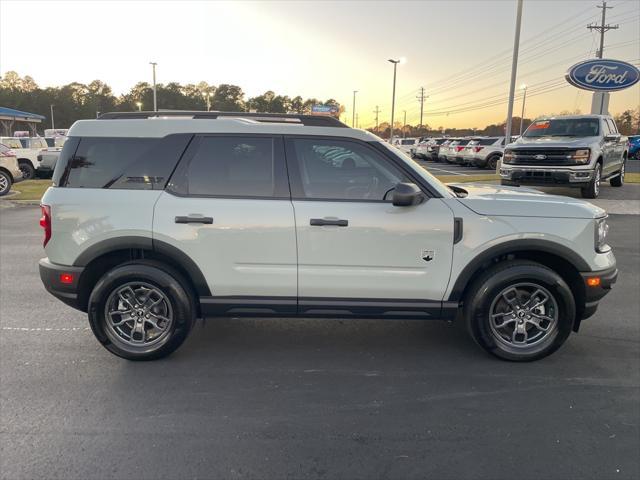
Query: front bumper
[
  {"x": 545, "y": 176},
  {"x": 593, "y": 294},
  {"x": 50, "y": 274}
]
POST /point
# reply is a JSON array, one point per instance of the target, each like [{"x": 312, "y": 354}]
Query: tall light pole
[
  {"x": 524, "y": 100},
  {"x": 393, "y": 97},
  {"x": 353, "y": 113},
  {"x": 514, "y": 70},
  {"x": 52, "y": 124},
  {"x": 155, "y": 98},
  {"x": 207, "y": 97}
]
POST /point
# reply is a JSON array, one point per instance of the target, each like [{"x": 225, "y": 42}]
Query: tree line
[{"x": 76, "y": 101}]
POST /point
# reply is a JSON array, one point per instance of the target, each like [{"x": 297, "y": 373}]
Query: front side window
[
  {"x": 230, "y": 166},
  {"x": 341, "y": 170}
]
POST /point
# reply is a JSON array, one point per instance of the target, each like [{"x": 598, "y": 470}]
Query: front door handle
[
  {"x": 321, "y": 222},
  {"x": 194, "y": 219}
]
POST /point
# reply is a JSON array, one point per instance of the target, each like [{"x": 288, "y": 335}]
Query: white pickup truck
[{"x": 27, "y": 149}]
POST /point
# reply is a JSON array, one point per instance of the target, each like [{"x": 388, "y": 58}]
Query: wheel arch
[
  {"x": 567, "y": 263},
  {"x": 105, "y": 255}
]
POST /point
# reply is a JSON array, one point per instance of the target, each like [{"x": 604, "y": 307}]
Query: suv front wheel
[
  {"x": 141, "y": 311},
  {"x": 520, "y": 310}
]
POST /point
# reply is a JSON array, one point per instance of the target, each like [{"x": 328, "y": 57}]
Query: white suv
[
  {"x": 154, "y": 222},
  {"x": 28, "y": 151}
]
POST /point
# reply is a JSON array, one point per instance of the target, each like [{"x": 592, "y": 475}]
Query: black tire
[
  {"x": 5, "y": 183},
  {"x": 179, "y": 301},
  {"x": 492, "y": 162},
  {"x": 483, "y": 294},
  {"x": 636, "y": 155},
  {"x": 618, "y": 180},
  {"x": 28, "y": 172},
  {"x": 593, "y": 189}
]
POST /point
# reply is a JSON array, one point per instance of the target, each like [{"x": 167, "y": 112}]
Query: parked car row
[
  {"x": 36, "y": 156},
  {"x": 482, "y": 152}
]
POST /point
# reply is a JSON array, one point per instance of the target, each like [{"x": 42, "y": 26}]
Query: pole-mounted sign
[{"x": 603, "y": 75}]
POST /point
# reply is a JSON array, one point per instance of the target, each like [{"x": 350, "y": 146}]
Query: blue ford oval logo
[{"x": 603, "y": 75}]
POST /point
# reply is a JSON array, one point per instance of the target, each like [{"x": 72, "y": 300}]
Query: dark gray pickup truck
[{"x": 571, "y": 151}]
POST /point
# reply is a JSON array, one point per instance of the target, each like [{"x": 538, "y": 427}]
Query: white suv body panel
[
  {"x": 380, "y": 253},
  {"x": 84, "y": 217},
  {"x": 248, "y": 250}
]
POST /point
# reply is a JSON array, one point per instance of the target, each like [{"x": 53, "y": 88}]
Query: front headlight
[
  {"x": 581, "y": 156},
  {"x": 602, "y": 229},
  {"x": 508, "y": 156}
]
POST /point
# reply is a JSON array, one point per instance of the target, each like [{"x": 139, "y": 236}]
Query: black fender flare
[
  {"x": 179, "y": 257},
  {"x": 509, "y": 247}
]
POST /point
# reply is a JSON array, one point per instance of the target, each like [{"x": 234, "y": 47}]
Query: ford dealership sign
[{"x": 603, "y": 75}]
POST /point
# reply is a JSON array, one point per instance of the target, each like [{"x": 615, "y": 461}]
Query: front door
[
  {"x": 227, "y": 207},
  {"x": 357, "y": 253}
]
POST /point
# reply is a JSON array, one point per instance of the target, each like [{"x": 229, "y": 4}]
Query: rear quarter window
[{"x": 119, "y": 163}]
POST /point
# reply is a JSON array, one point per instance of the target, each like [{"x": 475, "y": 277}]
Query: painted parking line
[
  {"x": 44, "y": 329},
  {"x": 451, "y": 172}
]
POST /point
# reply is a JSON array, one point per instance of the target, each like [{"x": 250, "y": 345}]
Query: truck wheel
[
  {"x": 141, "y": 311},
  {"x": 618, "y": 180},
  {"x": 492, "y": 162},
  {"x": 593, "y": 190},
  {"x": 5, "y": 183},
  {"x": 519, "y": 310},
  {"x": 27, "y": 169}
]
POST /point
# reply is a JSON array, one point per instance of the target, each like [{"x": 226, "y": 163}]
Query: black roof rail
[{"x": 293, "y": 118}]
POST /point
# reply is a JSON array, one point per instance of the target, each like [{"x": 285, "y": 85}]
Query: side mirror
[
  {"x": 612, "y": 137},
  {"x": 406, "y": 195}
]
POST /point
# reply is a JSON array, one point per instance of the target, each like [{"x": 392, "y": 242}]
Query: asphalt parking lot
[{"x": 312, "y": 398}]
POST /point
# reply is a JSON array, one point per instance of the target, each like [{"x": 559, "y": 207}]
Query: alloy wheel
[
  {"x": 138, "y": 315},
  {"x": 523, "y": 315}
]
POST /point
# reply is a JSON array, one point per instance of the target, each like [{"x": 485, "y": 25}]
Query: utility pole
[
  {"x": 404, "y": 125},
  {"x": 602, "y": 28},
  {"x": 353, "y": 114},
  {"x": 155, "y": 98},
  {"x": 393, "y": 97},
  {"x": 600, "y": 100},
  {"x": 514, "y": 71},
  {"x": 376, "y": 111},
  {"x": 52, "y": 124},
  {"x": 421, "y": 99},
  {"x": 524, "y": 100}
]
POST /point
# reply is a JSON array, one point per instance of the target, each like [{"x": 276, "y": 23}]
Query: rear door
[
  {"x": 228, "y": 208},
  {"x": 357, "y": 253}
]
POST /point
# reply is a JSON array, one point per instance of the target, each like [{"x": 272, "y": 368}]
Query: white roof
[{"x": 160, "y": 127}]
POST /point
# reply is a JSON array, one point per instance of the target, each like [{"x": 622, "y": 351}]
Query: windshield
[{"x": 564, "y": 127}]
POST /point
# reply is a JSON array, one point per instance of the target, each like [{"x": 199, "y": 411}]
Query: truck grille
[{"x": 551, "y": 156}]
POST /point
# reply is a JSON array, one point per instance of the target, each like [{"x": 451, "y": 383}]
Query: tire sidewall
[
  {"x": 181, "y": 304},
  {"x": 9, "y": 183},
  {"x": 27, "y": 165},
  {"x": 478, "y": 311}
]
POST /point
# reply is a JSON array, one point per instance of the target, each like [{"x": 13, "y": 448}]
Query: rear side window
[
  {"x": 120, "y": 163},
  {"x": 232, "y": 167},
  {"x": 487, "y": 141}
]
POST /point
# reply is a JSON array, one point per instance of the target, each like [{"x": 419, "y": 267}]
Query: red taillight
[
  {"x": 477, "y": 149},
  {"x": 66, "y": 278},
  {"x": 45, "y": 222},
  {"x": 459, "y": 149}
]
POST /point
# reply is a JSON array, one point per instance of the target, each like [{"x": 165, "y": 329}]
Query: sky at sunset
[{"x": 460, "y": 51}]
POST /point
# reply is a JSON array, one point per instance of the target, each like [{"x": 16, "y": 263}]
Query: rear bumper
[
  {"x": 50, "y": 274},
  {"x": 593, "y": 295}
]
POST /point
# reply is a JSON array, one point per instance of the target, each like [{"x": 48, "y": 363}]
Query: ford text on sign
[{"x": 603, "y": 75}]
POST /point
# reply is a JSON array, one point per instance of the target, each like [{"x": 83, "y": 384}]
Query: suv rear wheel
[
  {"x": 141, "y": 311},
  {"x": 492, "y": 162},
  {"x": 28, "y": 172},
  {"x": 520, "y": 310},
  {"x": 593, "y": 190}
]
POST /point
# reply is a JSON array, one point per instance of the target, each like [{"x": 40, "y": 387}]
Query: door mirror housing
[
  {"x": 612, "y": 137},
  {"x": 406, "y": 195}
]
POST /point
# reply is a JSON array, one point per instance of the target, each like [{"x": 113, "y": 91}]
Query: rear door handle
[
  {"x": 321, "y": 222},
  {"x": 194, "y": 219}
]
